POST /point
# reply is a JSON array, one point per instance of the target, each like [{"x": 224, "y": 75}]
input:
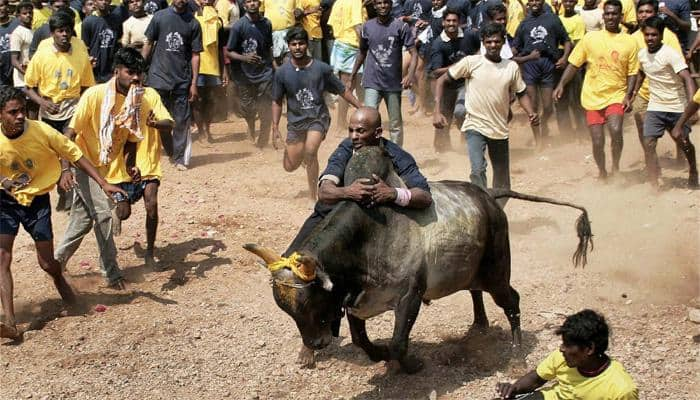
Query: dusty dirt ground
[{"x": 207, "y": 327}]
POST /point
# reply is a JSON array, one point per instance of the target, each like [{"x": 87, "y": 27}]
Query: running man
[
  {"x": 670, "y": 87},
  {"x": 490, "y": 81},
  {"x": 153, "y": 119},
  {"x": 536, "y": 48},
  {"x": 30, "y": 153},
  {"x": 249, "y": 48},
  {"x": 580, "y": 367},
  {"x": 611, "y": 62},
  {"x": 383, "y": 39},
  {"x": 302, "y": 81}
]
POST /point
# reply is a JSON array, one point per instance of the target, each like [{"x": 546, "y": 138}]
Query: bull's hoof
[
  {"x": 306, "y": 358},
  {"x": 411, "y": 364},
  {"x": 378, "y": 353}
]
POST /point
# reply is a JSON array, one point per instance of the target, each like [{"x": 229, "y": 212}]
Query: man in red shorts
[{"x": 611, "y": 62}]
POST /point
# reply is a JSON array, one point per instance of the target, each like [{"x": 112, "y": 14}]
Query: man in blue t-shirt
[
  {"x": 7, "y": 25},
  {"x": 302, "y": 81},
  {"x": 101, "y": 33},
  {"x": 364, "y": 129},
  {"x": 250, "y": 50},
  {"x": 536, "y": 49},
  {"x": 381, "y": 44},
  {"x": 175, "y": 37}
]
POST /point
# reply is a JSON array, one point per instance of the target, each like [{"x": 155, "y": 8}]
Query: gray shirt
[{"x": 384, "y": 46}]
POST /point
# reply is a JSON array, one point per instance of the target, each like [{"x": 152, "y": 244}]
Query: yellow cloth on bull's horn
[{"x": 292, "y": 262}]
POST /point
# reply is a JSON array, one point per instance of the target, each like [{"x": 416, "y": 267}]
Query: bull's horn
[{"x": 266, "y": 254}]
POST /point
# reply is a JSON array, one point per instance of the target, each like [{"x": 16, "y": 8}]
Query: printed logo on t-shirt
[
  {"x": 417, "y": 10},
  {"x": 538, "y": 34},
  {"x": 106, "y": 38},
  {"x": 174, "y": 41},
  {"x": 250, "y": 46},
  {"x": 151, "y": 7},
  {"x": 305, "y": 98},
  {"x": 456, "y": 56},
  {"x": 383, "y": 53},
  {"x": 5, "y": 43}
]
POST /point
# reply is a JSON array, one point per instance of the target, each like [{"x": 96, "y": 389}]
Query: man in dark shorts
[
  {"x": 302, "y": 81},
  {"x": 580, "y": 367},
  {"x": 30, "y": 153},
  {"x": 536, "y": 48},
  {"x": 175, "y": 37},
  {"x": 250, "y": 50},
  {"x": 144, "y": 158},
  {"x": 446, "y": 49}
]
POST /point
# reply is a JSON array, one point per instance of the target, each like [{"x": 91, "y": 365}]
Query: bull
[{"x": 372, "y": 260}]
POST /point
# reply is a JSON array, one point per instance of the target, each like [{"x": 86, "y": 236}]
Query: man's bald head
[
  {"x": 368, "y": 115},
  {"x": 365, "y": 127}
]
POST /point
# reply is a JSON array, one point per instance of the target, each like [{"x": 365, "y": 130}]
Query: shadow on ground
[
  {"x": 216, "y": 158},
  {"x": 449, "y": 364}
]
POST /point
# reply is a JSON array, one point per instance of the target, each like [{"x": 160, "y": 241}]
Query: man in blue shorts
[
  {"x": 536, "y": 49},
  {"x": 30, "y": 166},
  {"x": 302, "y": 81}
]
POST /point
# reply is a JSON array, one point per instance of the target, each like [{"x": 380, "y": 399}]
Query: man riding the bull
[{"x": 365, "y": 129}]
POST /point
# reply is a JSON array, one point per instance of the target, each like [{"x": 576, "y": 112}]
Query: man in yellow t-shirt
[
  {"x": 310, "y": 12},
  {"x": 346, "y": 19},
  {"x": 212, "y": 76},
  {"x": 611, "y": 69},
  {"x": 41, "y": 14},
  {"x": 580, "y": 367},
  {"x": 145, "y": 180},
  {"x": 30, "y": 166},
  {"x": 104, "y": 126},
  {"x": 58, "y": 73}
]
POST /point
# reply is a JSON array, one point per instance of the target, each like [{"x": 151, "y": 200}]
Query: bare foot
[
  {"x": 119, "y": 284},
  {"x": 306, "y": 357},
  {"x": 9, "y": 332},
  {"x": 152, "y": 262}
]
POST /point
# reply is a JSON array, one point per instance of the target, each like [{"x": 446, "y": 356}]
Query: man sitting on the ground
[{"x": 580, "y": 366}]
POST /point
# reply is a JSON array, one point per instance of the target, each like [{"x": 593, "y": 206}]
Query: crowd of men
[{"x": 115, "y": 83}]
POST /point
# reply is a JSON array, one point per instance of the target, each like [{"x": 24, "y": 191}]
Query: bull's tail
[{"x": 583, "y": 224}]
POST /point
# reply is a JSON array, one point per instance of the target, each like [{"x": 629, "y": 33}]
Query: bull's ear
[
  {"x": 325, "y": 280},
  {"x": 307, "y": 265},
  {"x": 266, "y": 254}
]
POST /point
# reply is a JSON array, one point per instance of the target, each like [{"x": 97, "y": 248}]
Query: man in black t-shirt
[
  {"x": 446, "y": 49},
  {"x": 250, "y": 50},
  {"x": 7, "y": 25},
  {"x": 302, "y": 81},
  {"x": 101, "y": 33},
  {"x": 536, "y": 49},
  {"x": 175, "y": 37}
]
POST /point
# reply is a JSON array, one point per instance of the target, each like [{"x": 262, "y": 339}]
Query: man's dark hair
[
  {"x": 9, "y": 93},
  {"x": 614, "y": 3},
  {"x": 586, "y": 328},
  {"x": 23, "y": 6},
  {"x": 653, "y": 3},
  {"x": 130, "y": 58},
  {"x": 655, "y": 22},
  {"x": 491, "y": 29},
  {"x": 451, "y": 11},
  {"x": 494, "y": 9},
  {"x": 61, "y": 19},
  {"x": 297, "y": 33}
]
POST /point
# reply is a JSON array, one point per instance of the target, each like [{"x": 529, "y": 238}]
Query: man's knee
[
  {"x": 5, "y": 258},
  {"x": 310, "y": 156}
]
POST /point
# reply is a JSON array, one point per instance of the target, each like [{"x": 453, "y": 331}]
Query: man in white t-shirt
[
  {"x": 20, "y": 39},
  {"x": 134, "y": 32},
  {"x": 490, "y": 81},
  {"x": 670, "y": 89}
]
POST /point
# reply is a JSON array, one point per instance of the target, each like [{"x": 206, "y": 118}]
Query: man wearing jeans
[
  {"x": 175, "y": 37},
  {"x": 490, "y": 82},
  {"x": 383, "y": 39}
]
